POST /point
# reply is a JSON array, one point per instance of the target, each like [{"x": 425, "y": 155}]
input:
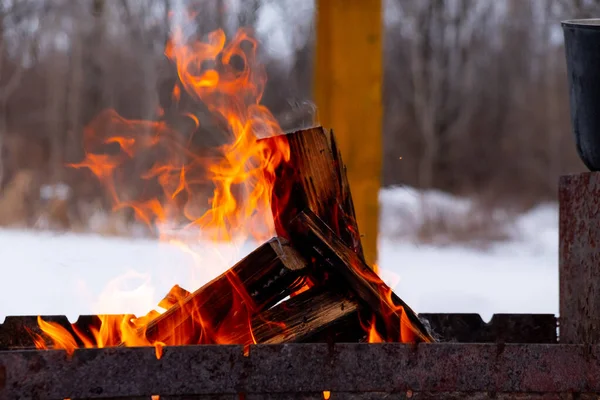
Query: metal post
[{"x": 579, "y": 259}]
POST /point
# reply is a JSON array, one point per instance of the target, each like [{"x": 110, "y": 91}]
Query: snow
[
  {"x": 519, "y": 275},
  {"x": 60, "y": 191},
  {"x": 48, "y": 273}
]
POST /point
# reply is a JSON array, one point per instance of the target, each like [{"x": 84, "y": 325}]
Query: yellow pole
[{"x": 347, "y": 92}]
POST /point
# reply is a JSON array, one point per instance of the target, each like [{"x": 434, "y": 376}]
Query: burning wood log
[
  {"x": 313, "y": 237},
  {"x": 302, "y": 318},
  {"x": 260, "y": 280},
  {"x": 312, "y": 207},
  {"x": 315, "y": 178}
]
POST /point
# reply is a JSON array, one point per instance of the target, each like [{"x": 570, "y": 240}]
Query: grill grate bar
[
  {"x": 302, "y": 369},
  {"x": 462, "y": 328}
]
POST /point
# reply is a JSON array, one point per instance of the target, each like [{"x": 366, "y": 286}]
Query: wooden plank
[
  {"x": 175, "y": 295},
  {"x": 315, "y": 178},
  {"x": 302, "y": 318},
  {"x": 261, "y": 279},
  {"x": 313, "y": 236},
  {"x": 347, "y": 90}
]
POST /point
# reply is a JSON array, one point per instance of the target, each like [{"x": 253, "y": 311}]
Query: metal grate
[{"x": 362, "y": 371}]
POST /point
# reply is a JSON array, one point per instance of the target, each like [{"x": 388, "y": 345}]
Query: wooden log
[
  {"x": 303, "y": 318},
  {"x": 315, "y": 178},
  {"x": 315, "y": 239},
  {"x": 260, "y": 280}
]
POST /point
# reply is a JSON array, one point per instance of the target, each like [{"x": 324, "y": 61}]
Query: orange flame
[
  {"x": 242, "y": 178},
  {"x": 60, "y": 337},
  {"x": 227, "y": 79},
  {"x": 373, "y": 336},
  {"x": 406, "y": 329}
]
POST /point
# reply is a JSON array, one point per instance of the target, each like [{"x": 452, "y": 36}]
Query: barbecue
[{"x": 304, "y": 316}]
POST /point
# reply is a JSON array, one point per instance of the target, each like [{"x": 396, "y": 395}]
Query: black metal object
[
  {"x": 379, "y": 370},
  {"x": 502, "y": 328},
  {"x": 16, "y": 332},
  {"x": 582, "y": 44}
]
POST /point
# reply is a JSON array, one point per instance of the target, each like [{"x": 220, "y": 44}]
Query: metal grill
[{"x": 512, "y": 357}]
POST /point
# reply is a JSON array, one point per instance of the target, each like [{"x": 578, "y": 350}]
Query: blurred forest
[{"x": 475, "y": 93}]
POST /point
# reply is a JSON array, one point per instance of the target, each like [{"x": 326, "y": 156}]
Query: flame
[
  {"x": 373, "y": 336},
  {"x": 60, "y": 337},
  {"x": 241, "y": 178},
  {"x": 226, "y": 79},
  {"x": 406, "y": 329}
]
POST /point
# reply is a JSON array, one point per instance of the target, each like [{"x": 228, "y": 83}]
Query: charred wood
[
  {"x": 343, "y": 267},
  {"x": 315, "y": 178},
  {"x": 257, "y": 282},
  {"x": 302, "y": 318}
]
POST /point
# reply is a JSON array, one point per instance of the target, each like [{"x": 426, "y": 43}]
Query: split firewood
[
  {"x": 315, "y": 239},
  {"x": 302, "y": 318},
  {"x": 257, "y": 282},
  {"x": 315, "y": 178},
  {"x": 176, "y": 295}
]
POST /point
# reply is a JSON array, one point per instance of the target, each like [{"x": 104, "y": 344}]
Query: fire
[
  {"x": 226, "y": 79},
  {"x": 114, "y": 330},
  {"x": 407, "y": 334},
  {"x": 61, "y": 338},
  {"x": 241, "y": 178},
  {"x": 373, "y": 336}
]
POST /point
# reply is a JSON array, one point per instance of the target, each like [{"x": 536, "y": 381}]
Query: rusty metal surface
[
  {"x": 507, "y": 328},
  {"x": 579, "y": 258},
  {"x": 302, "y": 369},
  {"x": 409, "y": 395}
]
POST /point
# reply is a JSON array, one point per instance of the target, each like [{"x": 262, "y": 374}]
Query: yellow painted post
[{"x": 347, "y": 92}]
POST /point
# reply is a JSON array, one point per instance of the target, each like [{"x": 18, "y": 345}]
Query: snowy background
[{"x": 509, "y": 265}]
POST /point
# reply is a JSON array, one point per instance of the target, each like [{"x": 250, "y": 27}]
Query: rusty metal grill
[
  {"x": 512, "y": 357},
  {"x": 302, "y": 371}
]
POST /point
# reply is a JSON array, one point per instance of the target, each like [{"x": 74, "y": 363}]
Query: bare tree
[
  {"x": 442, "y": 65},
  {"x": 12, "y": 14}
]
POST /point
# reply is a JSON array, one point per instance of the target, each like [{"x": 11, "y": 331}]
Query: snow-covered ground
[{"x": 49, "y": 273}]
